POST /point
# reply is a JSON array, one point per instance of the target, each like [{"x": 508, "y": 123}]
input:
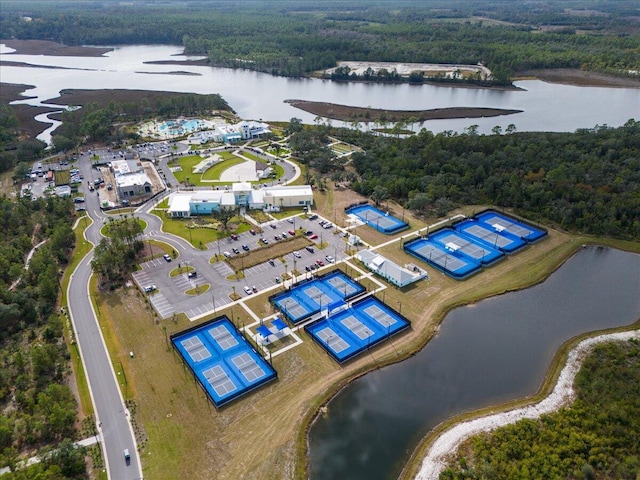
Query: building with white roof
[
  {"x": 390, "y": 271},
  {"x": 240, "y": 195},
  {"x": 132, "y": 184},
  {"x": 223, "y": 133}
]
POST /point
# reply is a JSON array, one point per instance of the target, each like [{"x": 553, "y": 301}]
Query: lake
[
  {"x": 496, "y": 350},
  {"x": 253, "y": 95}
]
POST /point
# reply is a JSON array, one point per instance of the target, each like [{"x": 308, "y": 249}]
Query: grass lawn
[
  {"x": 263, "y": 434},
  {"x": 106, "y": 229},
  {"x": 251, "y": 156},
  {"x": 213, "y": 174},
  {"x": 287, "y": 212},
  {"x": 199, "y": 237}
]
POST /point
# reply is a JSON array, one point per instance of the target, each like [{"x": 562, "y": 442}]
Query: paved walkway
[{"x": 30, "y": 461}]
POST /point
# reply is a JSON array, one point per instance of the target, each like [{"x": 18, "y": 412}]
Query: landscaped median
[{"x": 267, "y": 252}]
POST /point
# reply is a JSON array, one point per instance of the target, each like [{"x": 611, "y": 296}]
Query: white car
[
  {"x": 247, "y": 290},
  {"x": 329, "y": 259},
  {"x": 150, "y": 288},
  {"x": 297, "y": 254}
]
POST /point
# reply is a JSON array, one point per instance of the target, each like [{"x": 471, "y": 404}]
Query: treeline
[
  {"x": 114, "y": 257},
  {"x": 38, "y": 408},
  {"x": 596, "y": 437},
  {"x": 586, "y": 181},
  {"x": 14, "y": 149},
  {"x": 296, "y": 38},
  {"x": 108, "y": 122}
]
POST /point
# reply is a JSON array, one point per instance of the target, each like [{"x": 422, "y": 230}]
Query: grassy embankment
[{"x": 82, "y": 248}]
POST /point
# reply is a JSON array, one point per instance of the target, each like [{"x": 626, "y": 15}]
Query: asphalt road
[{"x": 111, "y": 415}]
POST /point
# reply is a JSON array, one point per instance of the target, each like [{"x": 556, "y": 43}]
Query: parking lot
[{"x": 170, "y": 296}]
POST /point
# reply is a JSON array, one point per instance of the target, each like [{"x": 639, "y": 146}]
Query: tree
[
  {"x": 295, "y": 126},
  {"x": 224, "y": 215},
  {"x": 379, "y": 194}
]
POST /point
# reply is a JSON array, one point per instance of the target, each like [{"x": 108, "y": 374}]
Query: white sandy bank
[{"x": 449, "y": 441}]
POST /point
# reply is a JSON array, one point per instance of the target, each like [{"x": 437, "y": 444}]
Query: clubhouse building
[{"x": 241, "y": 195}]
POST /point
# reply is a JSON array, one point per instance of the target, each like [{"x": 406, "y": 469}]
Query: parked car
[
  {"x": 150, "y": 288},
  {"x": 329, "y": 259},
  {"x": 307, "y": 268},
  {"x": 290, "y": 220},
  {"x": 272, "y": 263},
  {"x": 320, "y": 263},
  {"x": 255, "y": 290},
  {"x": 297, "y": 254},
  {"x": 235, "y": 250},
  {"x": 313, "y": 217},
  {"x": 247, "y": 290},
  {"x": 276, "y": 238},
  {"x": 192, "y": 274},
  {"x": 273, "y": 225},
  {"x": 245, "y": 248},
  {"x": 167, "y": 257},
  {"x": 292, "y": 233},
  {"x": 278, "y": 280},
  {"x": 226, "y": 254},
  {"x": 313, "y": 237},
  {"x": 264, "y": 240},
  {"x": 234, "y": 236},
  {"x": 252, "y": 231},
  {"x": 308, "y": 232},
  {"x": 310, "y": 249}
]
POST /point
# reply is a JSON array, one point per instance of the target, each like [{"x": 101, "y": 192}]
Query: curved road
[{"x": 111, "y": 415}]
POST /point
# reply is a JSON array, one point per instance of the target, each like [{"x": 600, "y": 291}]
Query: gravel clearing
[{"x": 562, "y": 394}]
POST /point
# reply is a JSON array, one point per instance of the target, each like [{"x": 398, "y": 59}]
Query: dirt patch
[
  {"x": 573, "y": 76},
  {"x": 366, "y": 115},
  {"x": 46, "y": 47}
]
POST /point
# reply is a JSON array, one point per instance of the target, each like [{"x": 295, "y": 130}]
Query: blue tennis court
[
  {"x": 500, "y": 222},
  {"x": 312, "y": 296},
  {"x": 453, "y": 262},
  {"x": 223, "y": 361},
  {"x": 381, "y": 221},
  {"x": 353, "y": 330},
  {"x": 469, "y": 247},
  {"x": 486, "y": 235}
]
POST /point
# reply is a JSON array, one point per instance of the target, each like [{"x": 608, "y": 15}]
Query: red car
[
  {"x": 292, "y": 233},
  {"x": 313, "y": 237},
  {"x": 320, "y": 263}
]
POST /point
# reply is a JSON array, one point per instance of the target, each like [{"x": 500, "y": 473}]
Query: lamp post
[{"x": 213, "y": 301}]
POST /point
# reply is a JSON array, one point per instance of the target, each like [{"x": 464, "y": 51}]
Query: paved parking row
[{"x": 171, "y": 296}]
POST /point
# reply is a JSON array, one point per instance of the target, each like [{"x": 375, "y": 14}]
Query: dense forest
[
  {"x": 38, "y": 407},
  {"x": 596, "y": 437},
  {"x": 587, "y": 181},
  {"x": 295, "y": 38},
  {"x": 13, "y": 147}
]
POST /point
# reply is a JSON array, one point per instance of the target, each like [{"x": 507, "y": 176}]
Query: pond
[{"x": 496, "y": 350}]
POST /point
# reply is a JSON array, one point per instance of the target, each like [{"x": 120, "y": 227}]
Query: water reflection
[{"x": 497, "y": 350}]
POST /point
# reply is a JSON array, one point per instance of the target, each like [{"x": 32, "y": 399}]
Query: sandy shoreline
[{"x": 563, "y": 393}]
